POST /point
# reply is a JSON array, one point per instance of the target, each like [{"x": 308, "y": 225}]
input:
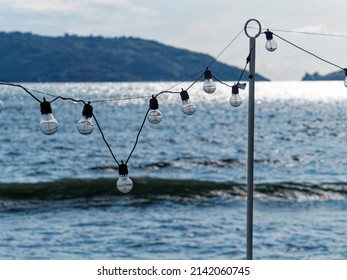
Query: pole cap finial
[{"x": 246, "y": 27}]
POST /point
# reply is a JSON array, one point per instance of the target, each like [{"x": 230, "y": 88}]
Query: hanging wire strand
[
  {"x": 20, "y": 86},
  {"x": 248, "y": 60},
  {"x": 187, "y": 79},
  {"x": 42, "y": 93},
  {"x": 310, "y": 33},
  {"x": 231, "y": 42},
  {"x": 221, "y": 82},
  {"x": 105, "y": 141},
  {"x": 308, "y": 52},
  {"x": 68, "y": 98},
  {"x": 213, "y": 61},
  {"x": 165, "y": 91},
  {"x": 122, "y": 99},
  {"x": 195, "y": 81},
  {"x": 303, "y": 32},
  {"x": 138, "y": 136}
]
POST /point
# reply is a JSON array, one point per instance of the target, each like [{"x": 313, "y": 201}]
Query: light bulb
[
  {"x": 48, "y": 124},
  {"x": 270, "y": 44},
  {"x": 345, "y": 77},
  {"x": 1, "y": 106},
  {"x": 209, "y": 85},
  {"x": 85, "y": 125},
  {"x": 235, "y": 99},
  {"x": 154, "y": 115},
  {"x": 187, "y": 106},
  {"x": 124, "y": 183}
]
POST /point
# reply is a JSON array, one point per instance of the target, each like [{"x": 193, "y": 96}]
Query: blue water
[{"x": 58, "y": 198}]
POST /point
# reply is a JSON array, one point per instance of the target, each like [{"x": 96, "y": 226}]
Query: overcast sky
[{"x": 205, "y": 26}]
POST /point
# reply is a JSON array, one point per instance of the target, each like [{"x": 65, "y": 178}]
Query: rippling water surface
[{"x": 58, "y": 198}]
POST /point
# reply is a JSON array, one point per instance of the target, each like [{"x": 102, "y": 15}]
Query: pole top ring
[{"x": 246, "y": 26}]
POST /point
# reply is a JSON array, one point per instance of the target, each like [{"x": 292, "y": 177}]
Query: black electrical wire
[
  {"x": 308, "y": 52},
  {"x": 138, "y": 136},
  {"x": 213, "y": 61},
  {"x": 195, "y": 81},
  {"x": 20, "y": 86},
  {"x": 303, "y": 32},
  {"x": 165, "y": 91},
  {"x": 68, "y": 98},
  {"x": 310, "y": 33},
  {"x": 223, "y": 83},
  {"x": 189, "y": 78},
  {"x": 105, "y": 141},
  {"x": 248, "y": 60},
  {"x": 122, "y": 99},
  {"x": 231, "y": 42}
]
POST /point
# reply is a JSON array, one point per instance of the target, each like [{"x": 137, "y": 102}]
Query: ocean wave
[
  {"x": 165, "y": 188},
  {"x": 194, "y": 161}
]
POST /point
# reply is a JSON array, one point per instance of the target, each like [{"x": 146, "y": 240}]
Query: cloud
[
  {"x": 84, "y": 17},
  {"x": 40, "y": 6},
  {"x": 319, "y": 28},
  {"x": 80, "y": 7}
]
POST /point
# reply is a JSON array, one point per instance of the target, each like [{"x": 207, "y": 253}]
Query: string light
[
  {"x": 270, "y": 44},
  {"x": 154, "y": 115},
  {"x": 187, "y": 106},
  {"x": 124, "y": 183},
  {"x": 235, "y": 99},
  {"x": 48, "y": 124},
  {"x": 209, "y": 85},
  {"x": 85, "y": 125}
]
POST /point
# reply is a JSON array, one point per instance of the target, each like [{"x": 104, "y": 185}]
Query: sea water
[{"x": 58, "y": 196}]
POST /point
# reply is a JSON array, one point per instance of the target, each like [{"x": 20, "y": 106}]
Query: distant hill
[
  {"x": 26, "y": 57},
  {"x": 339, "y": 75}
]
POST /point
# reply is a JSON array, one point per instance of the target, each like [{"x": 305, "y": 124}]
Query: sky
[{"x": 205, "y": 26}]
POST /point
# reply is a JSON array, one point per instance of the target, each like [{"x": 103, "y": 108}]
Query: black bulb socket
[
  {"x": 45, "y": 107},
  {"x": 87, "y": 110},
  {"x": 207, "y": 74},
  {"x": 123, "y": 169},
  {"x": 268, "y": 35},
  {"x": 153, "y": 103},
  {"x": 235, "y": 89},
  {"x": 184, "y": 95}
]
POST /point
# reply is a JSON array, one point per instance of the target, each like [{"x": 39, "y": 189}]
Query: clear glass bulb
[
  {"x": 124, "y": 184},
  {"x": 209, "y": 86},
  {"x": 188, "y": 107},
  {"x": 85, "y": 126},
  {"x": 48, "y": 124},
  {"x": 235, "y": 100},
  {"x": 155, "y": 116},
  {"x": 271, "y": 45},
  {"x": 0, "y": 106}
]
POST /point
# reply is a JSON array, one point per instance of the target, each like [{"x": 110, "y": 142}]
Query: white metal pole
[{"x": 250, "y": 156}]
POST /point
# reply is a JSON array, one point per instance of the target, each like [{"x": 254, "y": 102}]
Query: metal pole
[{"x": 250, "y": 160}]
